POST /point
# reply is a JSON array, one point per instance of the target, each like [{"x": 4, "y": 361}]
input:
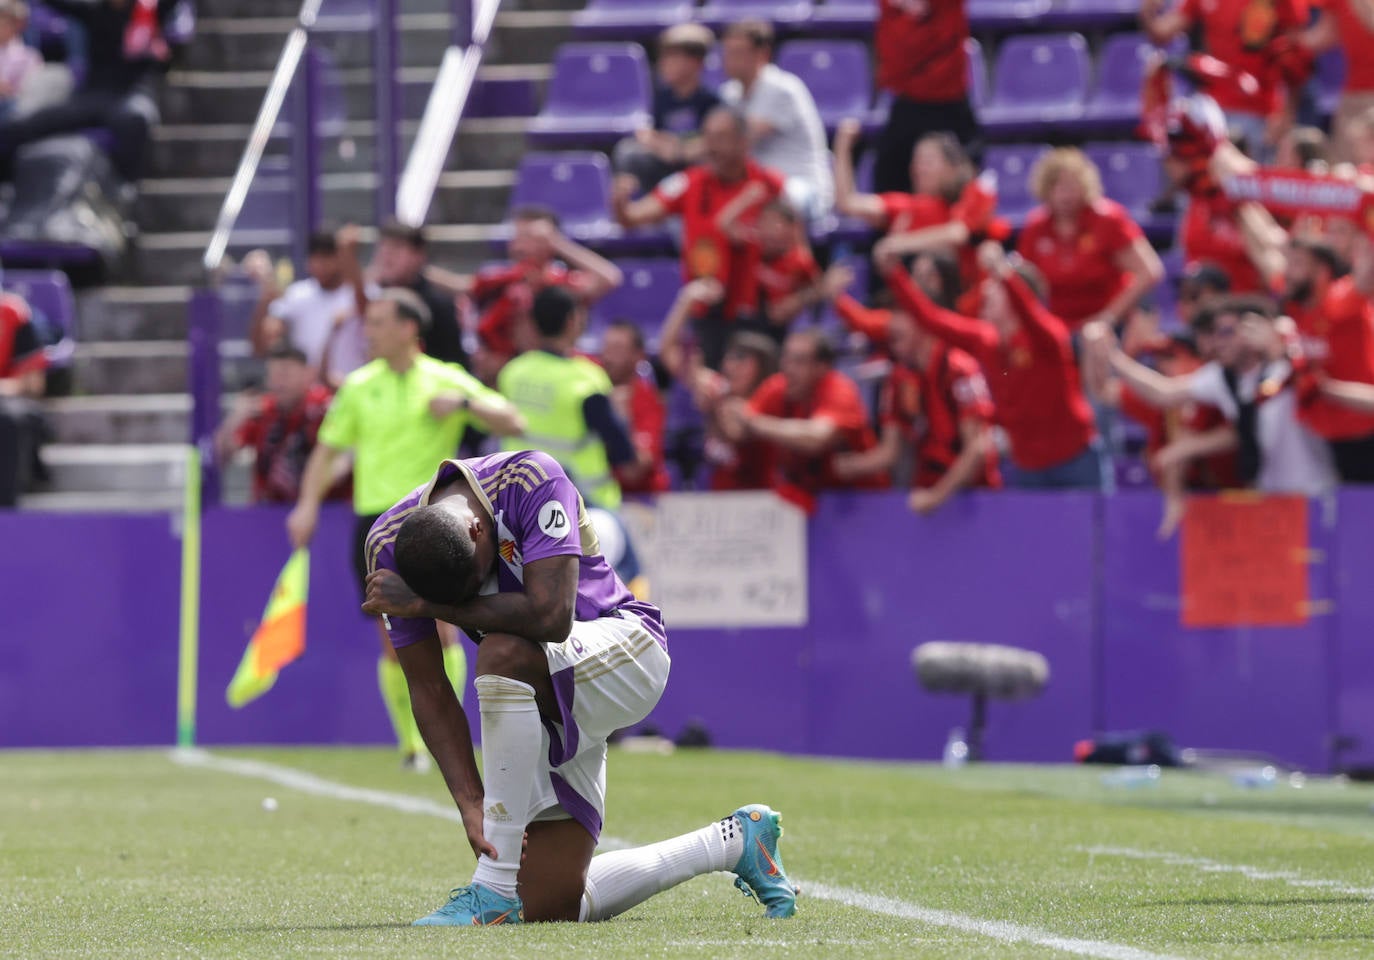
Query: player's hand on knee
[{"x": 388, "y": 594}]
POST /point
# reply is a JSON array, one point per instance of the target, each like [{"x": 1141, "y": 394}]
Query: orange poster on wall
[{"x": 1244, "y": 562}]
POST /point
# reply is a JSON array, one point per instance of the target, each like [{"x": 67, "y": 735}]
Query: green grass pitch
[{"x": 128, "y": 854}]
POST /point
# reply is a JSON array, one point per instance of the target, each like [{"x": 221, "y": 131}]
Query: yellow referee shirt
[{"x": 383, "y": 417}]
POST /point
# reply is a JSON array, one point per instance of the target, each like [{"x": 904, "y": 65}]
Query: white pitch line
[
  {"x": 1203, "y": 865},
  {"x": 1002, "y": 930}
]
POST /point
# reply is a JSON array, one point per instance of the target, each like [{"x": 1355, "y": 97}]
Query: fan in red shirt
[
  {"x": 536, "y": 246},
  {"x": 280, "y": 425},
  {"x": 948, "y": 210},
  {"x": 1027, "y": 355},
  {"x": 788, "y": 275},
  {"x": 936, "y": 403},
  {"x": 718, "y": 203},
  {"x": 1256, "y": 39},
  {"x": 808, "y": 413},
  {"x": 922, "y": 61},
  {"x": 1336, "y": 322},
  {"x": 635, "y": 398},
  {"x": 1092, "y": 255},
  {"x": 22, "y": 366}
]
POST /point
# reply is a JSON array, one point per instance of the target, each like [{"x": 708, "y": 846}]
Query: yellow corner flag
[{"x": 279, "y": 639}]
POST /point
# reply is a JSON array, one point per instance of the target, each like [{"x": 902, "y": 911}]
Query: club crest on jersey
[
  {"x": 508, "y": 551},
  {"x": 554, "y": 521}
]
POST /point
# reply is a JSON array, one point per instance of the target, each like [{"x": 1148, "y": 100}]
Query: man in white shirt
[
  {"x": 321, "y": 315},
  {"x": 785, "y": 129},
  {"x": 1251, "y": 382}
]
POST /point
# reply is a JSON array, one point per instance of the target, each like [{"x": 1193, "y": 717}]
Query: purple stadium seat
[
  {"x": 844, "y": 16},
  {"x": 628, "y": 19},
  {"x": 837, "y": 72},
  {"x": 1012, "y": 164},
  {"x": 645, "y": 298},
  {"x": 717, "y": 13},
  {"x": 1328, "y": 80},
  {"x": 576, "y": 186},
  {"x": 1090, "y": 14},
  {"x": 1120, "y": 72},
  {"x": 49, "y": 295},
  {"x": 1038, "y": 80},
  {"x": 1133, "y": 176},
  {"x": 599, "y": 93},
  {"x": 1006, "y": 14}
]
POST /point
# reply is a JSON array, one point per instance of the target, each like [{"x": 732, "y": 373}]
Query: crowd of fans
[{"x": 972, "y": 361}]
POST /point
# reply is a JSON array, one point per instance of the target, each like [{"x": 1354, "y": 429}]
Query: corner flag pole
[{"x": 189, "y": 650}]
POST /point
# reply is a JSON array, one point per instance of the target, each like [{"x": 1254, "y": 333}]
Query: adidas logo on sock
[{"x": 497, "y": 812}]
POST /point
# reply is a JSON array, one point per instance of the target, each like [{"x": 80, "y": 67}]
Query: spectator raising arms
[
  {"x": 1092, "y": 255},
  {"x": 718, "y": 202},
  {"x": 922, "y": 62},
  {"x": 22, "y": 364},
  {"x": 541, "y": 256},
  {"x": 808, "y": 414},
  {"x": 681, "y": 103},
  {"x": 637, "y": 403},
  {"x": 322, "y": 314},
  {"x": 935, "y": 403},
  {"x": 750, "y": 358},
  {"x": 280, "y": 425},
  {"x": 126, "y": 57},
  {"x": 1252, "y": 383},
  {"x": 400, "y": 260},
  {"x": 1348, "y": 24},
  {"x": 788, "y": 276},
  {"x": 785, "y": 128},
  {"x": 1027, "y": 354}
]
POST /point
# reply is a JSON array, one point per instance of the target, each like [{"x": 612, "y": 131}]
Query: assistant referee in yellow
[{"x": 400, "y": 414}]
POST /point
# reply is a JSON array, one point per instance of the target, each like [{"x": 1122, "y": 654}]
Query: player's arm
[
  {"x": 542, "y": 613},
  {"x": 495, "y": 414},
  {"x": 318, "y": 477},
  {"x": 603, "y": 421},
  {"x": 444, "y": 726}
]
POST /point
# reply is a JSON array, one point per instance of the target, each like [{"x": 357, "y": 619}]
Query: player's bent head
[{"x": 436, "y": 554}]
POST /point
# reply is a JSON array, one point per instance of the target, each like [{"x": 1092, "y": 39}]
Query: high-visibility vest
[{"x": 549, "y": 392}]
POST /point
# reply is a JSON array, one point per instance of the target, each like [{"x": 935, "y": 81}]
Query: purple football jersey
[{"x": 538, "y": 513}]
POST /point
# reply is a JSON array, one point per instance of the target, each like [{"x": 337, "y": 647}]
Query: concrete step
[
  {"x": 149, "y": 418},
  {"x": 142, "y": 367},
  {"x": 104, "y": 501},
  {"x": 213, "y": 150},
  {"x": 175, "y": 258},
  {"x": 478, "y": 196},
  {"x": 254, "y": 43},
  {"x": 213, "y": 97},
  {"x": 132, "y": 313},
  {"x": 115, "y": 467}
]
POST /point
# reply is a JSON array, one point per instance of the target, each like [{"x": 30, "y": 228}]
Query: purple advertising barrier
[
  {"x": 330, "y": 694},
  {"x": 1354, "y": 625},
  {"x": 1008, "y": 568},
  {"x": 1259, "y": 688},
  {"x": 88, "y": 630}
]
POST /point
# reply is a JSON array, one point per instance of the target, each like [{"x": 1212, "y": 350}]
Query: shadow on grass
[{"x": 317, "y": 927}]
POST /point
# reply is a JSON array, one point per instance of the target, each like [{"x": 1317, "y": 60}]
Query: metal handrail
[
  {"x": 448, "y": 100},
  {"x": 287, "y": 64}
]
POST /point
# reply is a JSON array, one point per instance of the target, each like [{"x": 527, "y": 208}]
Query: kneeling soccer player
[{"x": 501, "y": 547}]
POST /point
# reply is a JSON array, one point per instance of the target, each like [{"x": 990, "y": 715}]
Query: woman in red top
[
  {"x": 1027, "y": 355},
  {"x": 1094, "y": 257}
]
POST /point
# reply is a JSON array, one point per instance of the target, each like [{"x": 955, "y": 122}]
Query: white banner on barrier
[{"x": 723, "y": 559}]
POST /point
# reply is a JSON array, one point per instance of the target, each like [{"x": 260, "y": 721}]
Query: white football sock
[
  {"x": 620, "y": 880},
  {"x": 510, "y": 756}
]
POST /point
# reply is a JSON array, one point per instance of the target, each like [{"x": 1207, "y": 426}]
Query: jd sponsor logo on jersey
[{"x": 553, "y": 520}]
